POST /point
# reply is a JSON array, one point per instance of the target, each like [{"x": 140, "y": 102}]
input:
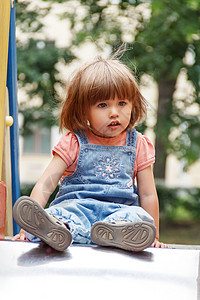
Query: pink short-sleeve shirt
[{"x": 68, "y": 149}]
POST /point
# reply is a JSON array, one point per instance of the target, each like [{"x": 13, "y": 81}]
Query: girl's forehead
[{"x": 116, "y": 98}]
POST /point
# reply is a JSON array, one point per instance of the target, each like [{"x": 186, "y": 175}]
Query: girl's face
[{"x": 110, "y": 117}]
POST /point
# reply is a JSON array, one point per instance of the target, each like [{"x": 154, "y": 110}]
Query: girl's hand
[
  {"x": 20, "y": 236},
  {"x": 157, "y": 244}
]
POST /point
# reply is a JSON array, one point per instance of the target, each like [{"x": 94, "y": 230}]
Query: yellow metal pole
[
  {"x": 4, "y": 39},
  {"x": 6, "y": 169}
]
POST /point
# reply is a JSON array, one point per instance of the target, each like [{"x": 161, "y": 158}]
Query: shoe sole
[
  {"x": 31, "y": 216},
  {"x": 130, "y": 236}
]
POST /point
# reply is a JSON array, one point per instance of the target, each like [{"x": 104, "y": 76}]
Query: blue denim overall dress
[{"x": 100, "y": 189}]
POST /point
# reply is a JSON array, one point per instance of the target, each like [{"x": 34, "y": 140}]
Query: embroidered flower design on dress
[{"x": 108, "y": 167}]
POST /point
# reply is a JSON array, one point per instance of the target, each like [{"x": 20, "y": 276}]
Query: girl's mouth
[{"x": 114, "y": 124}]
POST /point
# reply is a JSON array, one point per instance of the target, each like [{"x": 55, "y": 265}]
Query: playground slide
[{"x": 85, "y": 272}]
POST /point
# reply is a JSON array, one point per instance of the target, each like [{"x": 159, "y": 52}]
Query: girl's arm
[
  {"x": 149, "y": 199},
  {"x": 49, "y": 180},
  {"x": 45, "y": 186}
]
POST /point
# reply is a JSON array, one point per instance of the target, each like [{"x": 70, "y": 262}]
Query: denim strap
[
  {"x": 82, "y": 137},
  {"x": 131, "y": 139}
]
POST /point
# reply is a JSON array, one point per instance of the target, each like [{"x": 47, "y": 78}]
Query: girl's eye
[
  {"x": 122, "y": 103},
  {"x": 102, "y": 105}
]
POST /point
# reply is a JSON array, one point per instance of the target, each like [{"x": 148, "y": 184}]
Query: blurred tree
[
  {"x": 165, "y": 45},
  {"x": 37, "y": 60},
  {"x": 164, "y": 38}
]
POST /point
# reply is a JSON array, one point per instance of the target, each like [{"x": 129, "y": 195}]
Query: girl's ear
[{"x": 86, "y": 116}]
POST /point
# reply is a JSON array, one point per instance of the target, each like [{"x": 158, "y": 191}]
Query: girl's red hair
[{"x": 101, "y": 79}]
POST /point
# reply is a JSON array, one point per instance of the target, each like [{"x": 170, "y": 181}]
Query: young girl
[{"x": 97, "y": 162}]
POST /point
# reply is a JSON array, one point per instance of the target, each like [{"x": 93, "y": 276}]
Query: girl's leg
[
  {"x": 78, "y": 216},
  {"x": 130, "y": 213},
  {"x": 75, "y": 219}
]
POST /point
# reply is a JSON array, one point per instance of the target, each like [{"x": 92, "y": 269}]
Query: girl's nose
[{"x": 114, "y": 113}]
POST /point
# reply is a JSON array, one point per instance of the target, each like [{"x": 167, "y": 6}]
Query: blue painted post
[{"x": 13, "y": 106}]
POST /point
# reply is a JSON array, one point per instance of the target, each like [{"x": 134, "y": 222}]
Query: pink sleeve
[
  {"x": 67, "y": 148},
  {"x": 145, "y": 154}
]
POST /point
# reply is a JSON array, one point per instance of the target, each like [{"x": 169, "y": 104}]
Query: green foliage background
[{"x": 160, "y": 35}]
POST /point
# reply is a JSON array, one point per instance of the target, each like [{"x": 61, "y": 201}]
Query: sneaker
[
  {"x": 124, "y": 234},
  {"x": 31, "y": 216}
]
